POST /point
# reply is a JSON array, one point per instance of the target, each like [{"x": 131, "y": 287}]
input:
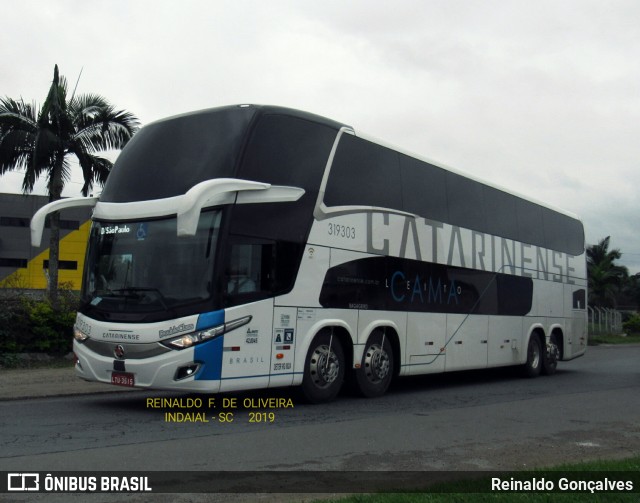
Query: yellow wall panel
[{"x": 72, "y": 247}]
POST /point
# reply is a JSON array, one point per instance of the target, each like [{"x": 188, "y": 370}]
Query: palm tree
[
  {"x": 40, "y": 141},
  {"x": 605, "y": 277}
]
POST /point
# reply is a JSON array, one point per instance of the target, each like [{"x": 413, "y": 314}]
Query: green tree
[
  {"x": 40, "y": 141},
  {"x": 605, "y": 277},
  {"x": 631, "y": 292}
]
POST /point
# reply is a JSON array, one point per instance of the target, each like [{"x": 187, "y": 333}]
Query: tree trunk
[
  {"x": 54, "y": 257},
  {"x": 55, "y": 193}
]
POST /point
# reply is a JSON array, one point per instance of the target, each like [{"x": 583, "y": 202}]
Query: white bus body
[{"x": 255, "y": 247}]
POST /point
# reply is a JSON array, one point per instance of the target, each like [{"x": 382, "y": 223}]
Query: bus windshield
[{"x": 142, "y": 267}]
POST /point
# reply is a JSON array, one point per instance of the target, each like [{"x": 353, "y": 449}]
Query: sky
[{"x": 541, "y": 98}]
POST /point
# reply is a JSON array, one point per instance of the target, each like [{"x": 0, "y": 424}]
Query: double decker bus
[{"x": 249, "y": 247}]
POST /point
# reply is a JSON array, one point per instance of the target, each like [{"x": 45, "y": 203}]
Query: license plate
[{"x": 123, "y": 379}]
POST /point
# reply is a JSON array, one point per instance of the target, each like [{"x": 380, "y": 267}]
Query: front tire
[
  {"x": 324, "y": 369},
  {"x": 534, "y": 357},
  {"x": 376, "y": 368}
]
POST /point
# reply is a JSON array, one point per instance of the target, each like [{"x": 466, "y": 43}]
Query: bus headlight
[
  {"x": 79, "y": 335},
  {"x": 194, "y": 338},
  {"x": 188, "y": 340}
]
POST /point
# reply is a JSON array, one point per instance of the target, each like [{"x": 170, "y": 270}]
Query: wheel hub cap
[
  {"x": 376, "y": 363},
  {"x": 325, "y": 366}
]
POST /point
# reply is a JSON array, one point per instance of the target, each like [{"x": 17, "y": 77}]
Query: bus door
[{"x": 245, "y": 354}]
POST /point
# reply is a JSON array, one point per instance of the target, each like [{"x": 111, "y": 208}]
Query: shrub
[
  {"x": 15, "y": 330},
  {"x": 52, "y": 329},
  {"x": 30, "y": 325},
  {"x": 632, "y": 325},
  {"x": 13, "y": 323}
]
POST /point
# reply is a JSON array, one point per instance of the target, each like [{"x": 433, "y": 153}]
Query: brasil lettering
[{"x": 55, "y": 483}]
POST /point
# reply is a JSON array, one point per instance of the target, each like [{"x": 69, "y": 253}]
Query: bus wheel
[
  {"x": 376, "y": 368},
  {"x": 324, "y": 369},
  {"x": 551, "y": 356},
  {"x": 534, "y": 357}
]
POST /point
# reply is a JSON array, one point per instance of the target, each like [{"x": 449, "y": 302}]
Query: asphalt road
[{"x": 480, "y": 420}]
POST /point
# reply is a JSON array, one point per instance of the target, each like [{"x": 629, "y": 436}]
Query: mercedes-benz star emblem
[{"x": 119, "y": 351}]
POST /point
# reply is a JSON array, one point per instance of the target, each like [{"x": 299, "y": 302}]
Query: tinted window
[
  {"x": 289, "y": 151},
  {"x": 423, "y": 189},
  {"x": 168, "y": 157},
  {"x": 364, "y": 174},
  {"x": 555, "y": 230},
  {"x": 575, "y": 233},
  {"x": 142, "y": 269},
  {"x": 500, "y": 209},
  {"x": 14, "y": 222},
  {"x": 466, "y": 203},
  {"x": 264, "y": 250},
  {"x": 562, "y": 232},
  {"x": 259, "y": 268},
  {"x": 530, "y": 225},
  {"x": 13, "y": 262},
  {"x": 285, "y": 150},
  {"x": 70, "y": 265},
  {"x": 285, "y": 221}
]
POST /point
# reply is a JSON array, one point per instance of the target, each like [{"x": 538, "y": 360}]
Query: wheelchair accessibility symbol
[{"x": 141, "y": 233}]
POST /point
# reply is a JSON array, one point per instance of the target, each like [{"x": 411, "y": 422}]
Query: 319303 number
[{"x": 342, "y": 231}]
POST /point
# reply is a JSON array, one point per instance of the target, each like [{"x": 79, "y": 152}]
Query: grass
[
  {"x": 595, "y": 340},
  {"x": 10, "y": 361},
  {"x": 479, "y": 489}
]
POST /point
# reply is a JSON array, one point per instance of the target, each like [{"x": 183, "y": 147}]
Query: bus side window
[
  {"x": 259, "y": 268},
  {"x": 244, "y": 270}
]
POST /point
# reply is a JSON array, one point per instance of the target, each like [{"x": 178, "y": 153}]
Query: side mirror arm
[
  {"x": 37, "y": 222},
  {"x": 228, "y": 191}
]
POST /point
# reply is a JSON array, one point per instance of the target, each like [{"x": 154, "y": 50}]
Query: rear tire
[
  {"x": 551, "y": 356},
  {"x": 324, "y": 369},
  {"x": 376, "y": 368},
  {"x": 534, "y": 357}
]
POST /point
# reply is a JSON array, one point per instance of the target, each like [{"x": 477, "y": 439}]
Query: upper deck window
[
  {"x": 364, "y": 173},
  {"x": 168, "y": 157}
]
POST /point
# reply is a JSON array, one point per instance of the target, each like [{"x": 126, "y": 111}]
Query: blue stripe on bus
[
  {"x": 208, "y": 320},
  {"x": 210, "y": 353}
]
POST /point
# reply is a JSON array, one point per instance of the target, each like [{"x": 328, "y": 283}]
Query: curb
[{"x": 20, "y": 384}]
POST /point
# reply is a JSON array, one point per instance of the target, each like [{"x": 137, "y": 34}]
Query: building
[{"x": 23, "y": 266}]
